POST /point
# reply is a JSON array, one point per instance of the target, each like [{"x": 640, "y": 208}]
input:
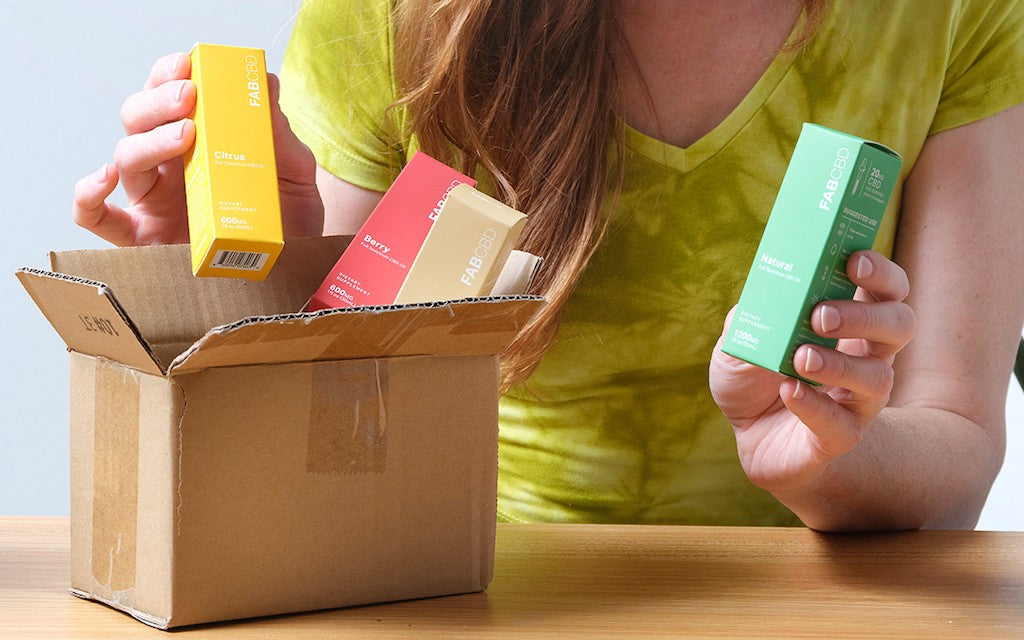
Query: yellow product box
[{"x": 234, "y": 210}]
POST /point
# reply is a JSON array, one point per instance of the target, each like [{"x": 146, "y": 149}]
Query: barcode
[{"x": 246, "y": 260}]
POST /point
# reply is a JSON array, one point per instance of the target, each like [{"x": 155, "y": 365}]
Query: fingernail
[
  {"x": 864, "y": 268},
  {"x": 178, "y": 131},
  {"x": 813, "y": 361},
  {"x": 179, "y": 91},
  {"x": 829, "y": 318},
  {"x": 101, "y": 176},
  {"x": 172, "y": 64},
  {"x": 798, "y": 391}
]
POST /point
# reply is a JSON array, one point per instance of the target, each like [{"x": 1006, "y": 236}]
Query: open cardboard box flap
[{"x": 142, "y": 307}]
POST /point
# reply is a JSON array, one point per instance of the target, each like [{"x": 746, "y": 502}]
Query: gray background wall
[{"x": 68, "y": 67}]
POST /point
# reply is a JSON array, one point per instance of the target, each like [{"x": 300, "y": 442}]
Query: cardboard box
[
  {"x": 830, "y": 205},
  {"x": 224, "y": 468},
  {"x": 234, "y": 209}
]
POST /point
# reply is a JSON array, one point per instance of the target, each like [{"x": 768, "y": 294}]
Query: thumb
[
  {"x": 295, "y": 162},
  {"x": 741, "y": 390}
]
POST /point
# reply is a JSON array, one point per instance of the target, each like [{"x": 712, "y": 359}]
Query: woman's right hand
[{"x": 148, "y": 164}]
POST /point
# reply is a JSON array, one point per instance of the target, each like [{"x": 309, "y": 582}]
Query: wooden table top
[{"x": 598, "y": 581}]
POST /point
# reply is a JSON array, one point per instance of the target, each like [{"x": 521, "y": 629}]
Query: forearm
[
  {"x": 930, "y": 458},
  {"x": 916, "y": 467}
]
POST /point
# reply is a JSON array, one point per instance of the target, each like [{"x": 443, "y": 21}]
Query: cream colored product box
[
  {"x": 231, "y": 459},
  {"x": 234, "y": 211},
  {"x": 465, "y": 250}
]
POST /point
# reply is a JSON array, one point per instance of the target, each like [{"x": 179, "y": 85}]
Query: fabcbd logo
[
  {"x": 252, "y": 76},
  {"x": 836, "y": 173},
  {"x": 476, "y": 261}
]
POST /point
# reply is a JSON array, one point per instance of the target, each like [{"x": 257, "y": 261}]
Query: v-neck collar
[{"x": 686, "y": 159}]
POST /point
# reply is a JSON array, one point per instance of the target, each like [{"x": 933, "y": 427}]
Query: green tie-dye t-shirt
[{"x": 617, "y": 424}]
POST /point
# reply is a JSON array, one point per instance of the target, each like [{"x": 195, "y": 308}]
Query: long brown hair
[{"x": 526, "y": 91}]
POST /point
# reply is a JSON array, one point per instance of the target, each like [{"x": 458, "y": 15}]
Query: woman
[{"x": 646, "y": 140}]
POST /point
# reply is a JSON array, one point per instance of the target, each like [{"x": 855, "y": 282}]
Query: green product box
[{"x": 830, "y": 205}]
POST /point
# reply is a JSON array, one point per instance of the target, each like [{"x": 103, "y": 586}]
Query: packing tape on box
[
  {"x": 401, "y": 332},
  {"x": 348, "y": 417},
  {"x": 115, "y": 476}
]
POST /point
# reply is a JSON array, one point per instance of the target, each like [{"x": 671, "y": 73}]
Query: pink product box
[{"x": 374, "y": 266}]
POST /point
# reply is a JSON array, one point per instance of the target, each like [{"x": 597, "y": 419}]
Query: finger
[
  {"x": 836, "y": 430},
  {"x": 296, "y": 172},
  {"x": 869, "y": 380},
  {"x": 743, "y": 391},
  {"x": 285, "y": 139},
  {"x": 93, "y": 213},
  {"x": 878, "y": 276},
  {"x": 174, "y": 66},
  {"x": 294, "y": 158},
  {"x": 732, "y": 366},
  {"x": 887, "y": 326},
  {"x": 138, "y": 156},
  {"x": 277, "y": 116},
  {"x": 151, "y": 108}
]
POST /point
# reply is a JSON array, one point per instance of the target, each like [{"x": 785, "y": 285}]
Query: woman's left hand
[{"x": 787, "y": 432}]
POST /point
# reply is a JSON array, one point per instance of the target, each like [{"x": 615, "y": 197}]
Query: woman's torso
[{"x": 617, "y": 423}]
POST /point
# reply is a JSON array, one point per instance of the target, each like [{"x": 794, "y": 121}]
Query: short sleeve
[
  {"x": 985, "y": 72},
  {"x": 337, "y": 84}
]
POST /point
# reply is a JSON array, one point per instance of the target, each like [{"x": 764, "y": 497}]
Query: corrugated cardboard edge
[
  {"x": 374, "y": 310},
  {"x": 141, "y": 616},
  {"x": 405, "y": 328},
  {"x": 102, "y": 290}
]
